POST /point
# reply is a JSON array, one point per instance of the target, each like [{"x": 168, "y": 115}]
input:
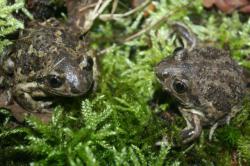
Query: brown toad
[
  {"x": 48, "y": 60},
  {"x": 207, "y": 82}
]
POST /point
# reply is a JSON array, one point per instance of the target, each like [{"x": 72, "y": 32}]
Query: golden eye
[{"x": 179, "y": 86}]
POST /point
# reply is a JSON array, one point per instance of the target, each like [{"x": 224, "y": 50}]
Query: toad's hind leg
[
  {"x": 24, "y": 93},
  {"x": 190, "y": 40}
]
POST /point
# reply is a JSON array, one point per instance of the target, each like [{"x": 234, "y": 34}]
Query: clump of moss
[
  {"x": 8, "y": 23},
  {"x": 116, "y": 126}
]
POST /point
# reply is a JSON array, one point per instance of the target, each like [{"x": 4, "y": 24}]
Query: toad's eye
[
  {"x": 55, "y": 81},
  {"x": 179, "y": 86}
]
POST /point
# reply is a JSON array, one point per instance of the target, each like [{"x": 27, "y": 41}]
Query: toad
[
  {"x": 207, "y": 83},
  {"x": 47, "y": 60}
]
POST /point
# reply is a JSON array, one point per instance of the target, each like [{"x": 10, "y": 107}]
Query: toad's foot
[
  {"x": 24, "y": 95},
  {"x": 190, "y": 134},
  {"x": 27, "y": 102}
]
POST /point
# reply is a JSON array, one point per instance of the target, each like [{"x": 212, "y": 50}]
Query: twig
[
  {"x": 100, "y": 6},
  {"x": 114, "y": 6},
  {"x": 106, "y": 17},
  {"x": 87, "y": 7},
  {"x": 104, "y": 51},
  {"x": 156, "y": 24}
]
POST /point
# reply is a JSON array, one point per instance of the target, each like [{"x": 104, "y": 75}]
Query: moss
[
  {"x": 8, "y": 23},
  {"x": 116, "y": 126}
]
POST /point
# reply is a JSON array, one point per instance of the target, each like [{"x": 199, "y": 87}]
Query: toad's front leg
[
  {"x": 24, "y": 94},
  {"x": 194, "y": 126}
]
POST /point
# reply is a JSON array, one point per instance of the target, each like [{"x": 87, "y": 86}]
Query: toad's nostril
[
  {"x": 165, "y": 74},
  {"x": 90, "y": 63},
  {"x": 161, "y": 74}
]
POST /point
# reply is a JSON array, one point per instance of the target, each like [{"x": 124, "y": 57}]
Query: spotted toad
[
  {"x": 207, "y": 82},
  {"x": 48, "y": 60}
]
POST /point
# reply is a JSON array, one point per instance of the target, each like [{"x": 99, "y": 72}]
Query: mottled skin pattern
[
  {"x": 47, "y": 60},
  {"x": 208, "y": 84}
]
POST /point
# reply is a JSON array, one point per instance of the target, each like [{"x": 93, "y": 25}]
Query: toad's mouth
[
  {"x": 181, "y": 102},
  {"x": 69, "y": 93}
]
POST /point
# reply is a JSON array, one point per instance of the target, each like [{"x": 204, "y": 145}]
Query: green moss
[
  {"x": 8, "y": 23},
  {"x": 115, "y": 126}
]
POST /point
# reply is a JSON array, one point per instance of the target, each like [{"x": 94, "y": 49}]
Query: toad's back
[
  {"x": 217, "y": 76},
  {"x": 41, "y": 47}
]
